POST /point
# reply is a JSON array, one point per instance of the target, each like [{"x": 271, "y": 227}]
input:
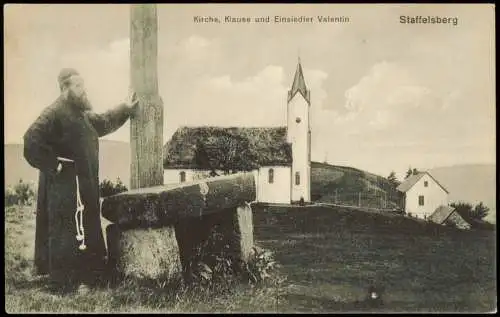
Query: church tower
[{"x": 299, "y": 135}]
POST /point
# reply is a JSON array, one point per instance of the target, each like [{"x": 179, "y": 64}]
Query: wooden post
[
  {"x": 359, "y": 199},
  {"x": 146, "y": 128}
]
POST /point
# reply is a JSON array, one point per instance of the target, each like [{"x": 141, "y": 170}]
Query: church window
[
  {"x": 183, "y": 176},
  {"x": 271, "y": 176},
  {"x": 297, "y": 178}
]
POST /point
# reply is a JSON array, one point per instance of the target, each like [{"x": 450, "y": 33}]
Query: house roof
[
  {"x": 412, "y": 180},
  {"x": 195, "y": 147},
  {"x": 441, "y": 214}
]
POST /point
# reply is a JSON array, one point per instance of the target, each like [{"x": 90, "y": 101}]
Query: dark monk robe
[{"x": 66, "y": 130}]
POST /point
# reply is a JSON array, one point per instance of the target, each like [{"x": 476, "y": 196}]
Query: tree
[
  {"x": 409, "y": 172},
  {"x": 108, "y": 188},
  {"x": 228, "y": 152},
  {"x": 480, "y": 211},
  {"x": 470, "y": 213},
  {"x": 202, "y": 160},
  {"x": 393, "y": 179}
]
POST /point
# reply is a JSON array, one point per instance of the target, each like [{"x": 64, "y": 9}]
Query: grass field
[{"x": 329, "y": 257}]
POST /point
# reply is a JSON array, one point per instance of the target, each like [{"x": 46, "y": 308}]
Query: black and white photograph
[{"x": 250, "y": 158}]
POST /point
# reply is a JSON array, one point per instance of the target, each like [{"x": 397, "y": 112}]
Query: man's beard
[{"x": 81, "y": 102}]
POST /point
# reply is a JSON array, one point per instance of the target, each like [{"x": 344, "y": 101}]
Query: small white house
[
  {"x": 280, "y": 157},
  {"x": 423, "y": 194}
]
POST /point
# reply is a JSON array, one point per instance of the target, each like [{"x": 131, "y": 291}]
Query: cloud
[
  {"x": 258, "y": 100},
  {"x": 195, "y": 48},
  {"x": 386, "y": 86}
]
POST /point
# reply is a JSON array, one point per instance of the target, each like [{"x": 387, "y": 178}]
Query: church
[{"x": 280, "y": 157}]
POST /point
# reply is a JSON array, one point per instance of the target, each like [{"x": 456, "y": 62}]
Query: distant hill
[
  {"x": 16, "y": 166},
  {"x": 470, "y": 183},
  {"x": 114, "y": 161}
]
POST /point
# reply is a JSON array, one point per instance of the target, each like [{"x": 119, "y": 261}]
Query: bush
[
  {"x": 108, "y": 188},
  {"x": 261, "y": 266},
  {"x": 469, "y": 212},
  {"x": 21, "y": 194},
  {"x": 217, "y": 270}
]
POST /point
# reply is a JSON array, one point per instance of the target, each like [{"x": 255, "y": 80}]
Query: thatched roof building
[{"x": 215, "y": 147}]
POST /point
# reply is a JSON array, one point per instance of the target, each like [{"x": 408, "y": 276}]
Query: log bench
[{"x": 155, "y": 231}]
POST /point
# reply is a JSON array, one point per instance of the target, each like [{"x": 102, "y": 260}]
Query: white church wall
[
  {"x": 277, "y": 191},
  {"x": 173, "y": 176}
]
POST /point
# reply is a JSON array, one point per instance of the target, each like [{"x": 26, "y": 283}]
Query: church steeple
[{"x": 299, "y": 84}]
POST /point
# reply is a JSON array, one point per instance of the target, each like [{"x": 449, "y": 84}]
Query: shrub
[
  {"x": 217, "y": 270},
  {"x": 21, "y": 194},
  {"x": 469, "y": 212},
  {"x": 10, "y": 197},
  {"x": 261, "y": 266},
  {"x": 108, "y": 188},
  {"x": 213, "y": 262}
]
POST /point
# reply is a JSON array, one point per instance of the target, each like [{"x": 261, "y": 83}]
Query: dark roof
[
  {"x": 444, "y": 214},
  {"x": 262, "y": 146},
  {"x": 441, "y": 214},
  {"x": 299, "y": 84},
  {"x": 412, "y": 180}
]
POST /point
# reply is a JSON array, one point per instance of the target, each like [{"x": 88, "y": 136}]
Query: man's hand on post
[{"x": 133, "y": 103}]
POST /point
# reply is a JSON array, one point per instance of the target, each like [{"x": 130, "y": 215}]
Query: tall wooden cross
[{"x": 146, "y": 128}]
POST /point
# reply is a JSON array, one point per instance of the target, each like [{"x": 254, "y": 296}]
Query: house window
[
  {"x": 270, "y": 176},
  {"x": 426, "y": 184},
  {"x": 183, "y": 176},
  {"x": 420, "y": 200},
  {"x": 297, "y": 178}
]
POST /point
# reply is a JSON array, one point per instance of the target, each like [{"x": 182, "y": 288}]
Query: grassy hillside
[
  {"x": 331, "y": 257},
  {"x": 328, "y": 181}
]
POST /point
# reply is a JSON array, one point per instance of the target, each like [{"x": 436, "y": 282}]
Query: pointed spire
[{"x": 299, "y": 83}]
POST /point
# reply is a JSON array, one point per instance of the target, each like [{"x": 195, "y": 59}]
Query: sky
[{"x": 384, "y": 95}]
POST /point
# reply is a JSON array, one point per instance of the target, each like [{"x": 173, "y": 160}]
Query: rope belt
[{"x": 80, "y": 232}]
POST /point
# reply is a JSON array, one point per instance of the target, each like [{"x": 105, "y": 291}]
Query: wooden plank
[
  {"x": 165, "y": 205},
  {"x": 146, "y": 128}
]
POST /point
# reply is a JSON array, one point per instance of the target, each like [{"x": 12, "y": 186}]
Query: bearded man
[{"x": 63, "y": 145}]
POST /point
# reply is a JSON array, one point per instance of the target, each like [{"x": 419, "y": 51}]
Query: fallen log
[{"x": 164, "y": 205}]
